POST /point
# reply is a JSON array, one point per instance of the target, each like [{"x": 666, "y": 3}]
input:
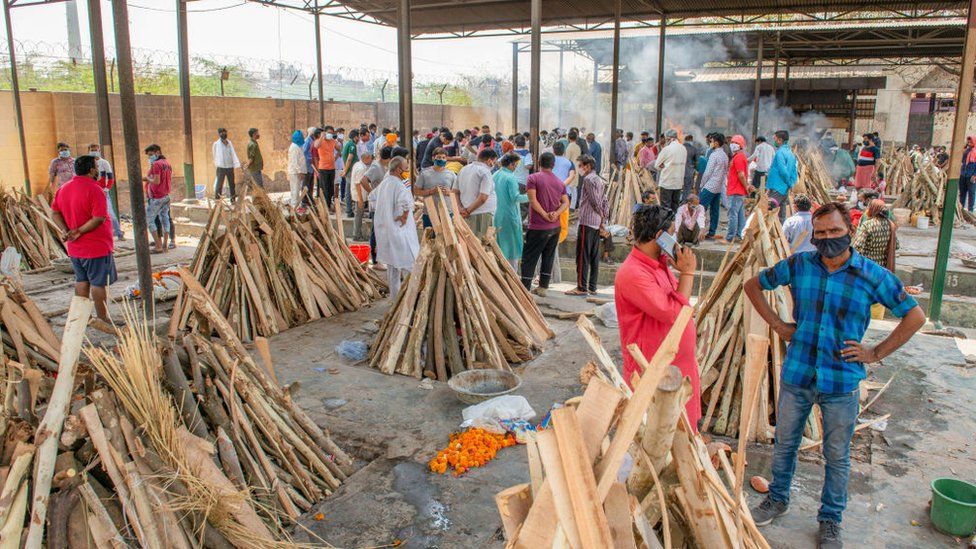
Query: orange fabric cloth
[
  {"x": 327, "y": 149},
  {"x": 648, "y": 302}
]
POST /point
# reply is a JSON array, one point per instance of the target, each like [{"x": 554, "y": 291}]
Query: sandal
[{"x": 575, "y": 291}]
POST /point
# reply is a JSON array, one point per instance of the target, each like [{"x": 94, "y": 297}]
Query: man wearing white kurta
[{"x": 396, "y": 232}]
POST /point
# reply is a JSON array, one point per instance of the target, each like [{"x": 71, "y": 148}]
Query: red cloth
[
  {"x": 163, "y": 173},
  {"x": 648, "y": 302},
  {"x": 864, "y": 177},
  {"x": 739, "y": 164},
  {"x": 79, "y": 200}
]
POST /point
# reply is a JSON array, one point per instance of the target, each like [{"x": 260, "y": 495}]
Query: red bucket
[{"x": 361, "y": 251}]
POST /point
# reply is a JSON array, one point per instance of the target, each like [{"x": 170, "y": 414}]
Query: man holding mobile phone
[{"x": 649, "y": 297}]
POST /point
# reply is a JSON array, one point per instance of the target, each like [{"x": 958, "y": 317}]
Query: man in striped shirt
[{"x": 593, "y": 213}]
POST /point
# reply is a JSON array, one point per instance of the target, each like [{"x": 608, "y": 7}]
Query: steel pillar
[
  {"x": 755, "y": 98},
  {"x": 406, "y": 80},
  {"x": 101, "y": 90},
  {"x": 853, "y": 121},
  {"x": 15, "y": 87},
  {"x": 184, "y": 55},
  {"x": 515, "y": 85},
  {"x": 318, "y": 64},
  {"x": 535, "y": 79},
  {"x": 786, "y": 84},
  {"x": 964, "y": 102},
  {"x": 615, "y": 72},
  {"x": 659, "y": 108},
  {"x": 133, "y": 161}
]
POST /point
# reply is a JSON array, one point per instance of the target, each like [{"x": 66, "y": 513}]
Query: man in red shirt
[
  {"x": 737, "y": 188},
  {"x": 80, "y": 212},
  {"x": 157, "y": 186},
  {"x": 648, "y": 299}
]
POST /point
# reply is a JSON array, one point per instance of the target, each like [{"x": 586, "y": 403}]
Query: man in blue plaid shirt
[{"x": 833, "y": 290}]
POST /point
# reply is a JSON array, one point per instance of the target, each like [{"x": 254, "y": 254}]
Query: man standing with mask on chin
[
  {"x": 396, "y": 233},
  {"x": 477, "y": 190},
  {"x": 833, "y": 289}
]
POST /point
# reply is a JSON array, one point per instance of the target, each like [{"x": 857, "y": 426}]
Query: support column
[
  {"x": 659, "y": 108},
  {"x": 318, "y": 64},
  {"x": 535, "y": 80},
  {"x": 559, "y": 98},
  {"x": 184, "y": 55},
  {"x": 615, "y": 72},
  {"x": 853, "y": 121},
  {"x": 776, "y": 68},
  {"x": 130, "y": 135},
  {"x": 15, "y": 87},
  {"x": 101, "y": 90},
  {"x": 964, "y": 102},
  {"x": 755, "y": 98},
  {"x": 406, "y": 80},
  {"x": 515, "y": 85},
  {"x": 786, "y": 84},
  {"x": 596, "y": 96}
]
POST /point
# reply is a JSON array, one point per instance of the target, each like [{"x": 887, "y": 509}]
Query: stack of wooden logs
[
  {"x": 723, "y": 317},
  {"x": 898, "y": 170},
  {"x": 575, "y": 498},
  {"x": 462, "y": 307},
  {"x": 926, "y": 192},
  {"x": 159, "y": 447},
  {"x": 269, "y": 268},
  {"x": 813, "y": 177},
  {"x": 27, "y": 224},
  {"x": 624, "y": 192},
  {"x": 28, "y": 339}
]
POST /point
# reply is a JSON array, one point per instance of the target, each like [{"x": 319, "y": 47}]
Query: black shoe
[
  {"x": 829, "y": 536},
  {"x": 767, "y": 510}
]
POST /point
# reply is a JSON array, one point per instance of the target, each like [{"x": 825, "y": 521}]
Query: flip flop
[
  {"x": 155, "y": 251},
  {"x": 574, "y": 291}
]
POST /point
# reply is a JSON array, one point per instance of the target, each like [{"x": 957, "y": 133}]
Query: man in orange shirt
[{"x": 328, "y": 149}]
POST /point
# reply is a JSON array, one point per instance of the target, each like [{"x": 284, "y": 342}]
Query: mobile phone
[{"x": 668, "y": 245}]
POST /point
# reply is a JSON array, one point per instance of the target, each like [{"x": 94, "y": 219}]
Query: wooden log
[
  {"x": 591, "y": 520},
  {"x": 49, "y": 430},
  {"x": 11, "y": 531},
  {"x": 658, "y": 430},
  {"x": 513, "y": 506},
  {"x": 102, "y": 528},
  {"x": 617, "y": 508}
]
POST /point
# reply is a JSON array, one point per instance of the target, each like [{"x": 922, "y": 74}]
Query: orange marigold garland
[{"x": 470, "y": 448}]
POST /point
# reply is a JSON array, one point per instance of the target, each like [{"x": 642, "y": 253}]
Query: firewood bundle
[
  {"x": 813, "y": 177},
  {"x": 155, "y": 449},
  {"x": 270, "y": 269},
  {"x": 27, "y": 224},
  {"x": 926, "y": 192},
  {"x": 724, "y": 317},
  {"x": 462, "y": 308},
  {"x": 574, "y": 497},
  {"x": 27, "y": 336},
  {"x": 898, "y": 170},
  {"x": 624, "y": 192}
]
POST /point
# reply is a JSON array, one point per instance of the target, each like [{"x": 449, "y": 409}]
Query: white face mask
[
  {"x": 96, "y": 154},
  {"x": 734, "y": 147},
  {"x": 328, "y": 136},
  {"x": 342, "y": 136}
]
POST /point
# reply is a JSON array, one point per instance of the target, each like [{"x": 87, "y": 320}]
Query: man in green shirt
[
  {"x": 255, "y": 162},
  {"x": 349, "y": 156}
]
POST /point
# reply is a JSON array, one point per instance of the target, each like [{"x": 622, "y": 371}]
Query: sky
[{"x": 246, "y": 29}]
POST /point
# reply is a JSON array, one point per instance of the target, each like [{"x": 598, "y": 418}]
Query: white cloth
[
  {"x": 296, "y": 160},
  {"x": 394, "y": 277},
  {"x": 473, "y": 180},
  {"x": 690, "y": 217},
  {"x": 763, "y": 156},
  {"x": 295, "y": 181},
  {"x": 396, "y": 245},
  {"x": 224, "y": 155},
  {"x": 355, "y": 177},
  {"x": 671, "y": 166}
]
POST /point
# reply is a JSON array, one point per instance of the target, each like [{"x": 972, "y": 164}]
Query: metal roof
[{"x": 460, "y": 17}]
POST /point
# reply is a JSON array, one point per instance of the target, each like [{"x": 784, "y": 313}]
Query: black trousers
[
  {"x": 327, "y": 186},
  {"x": 671, "y": 198},
  {"x": 587, "y": 258},
  {"x": 309, "y": 185},
  {"x": 228, "y": 174},
  {"x": 539, "y": 244}
]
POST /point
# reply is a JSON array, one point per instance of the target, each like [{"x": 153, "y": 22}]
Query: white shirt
[
  {"x": 473, "y": 180},
  {"x": 396, "y": 245},
  {"x": 671, "y": 165},
  {"x": 763, "y": 156},
  {"x": 296, "y": 160},
  {"x": 355, "y": 179},
  {"x": 690, "y": 217},
  {"x": 224, "y": 155}
]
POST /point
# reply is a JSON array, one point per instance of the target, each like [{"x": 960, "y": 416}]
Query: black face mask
[{"x": 832, "y": 247}]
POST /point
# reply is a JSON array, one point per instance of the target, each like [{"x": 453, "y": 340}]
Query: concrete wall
[
  {"x": 50, "y": 117},
  {"x": 891, "y": 110}
]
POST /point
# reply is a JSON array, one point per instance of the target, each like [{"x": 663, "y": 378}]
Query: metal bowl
[{"x": 474, "y": 386}]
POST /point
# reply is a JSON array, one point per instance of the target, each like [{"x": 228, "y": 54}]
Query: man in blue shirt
[
  {"x": 833, "y": 289},
  {"x": 782, "y": 172},
  {"x": 565, "y": 170}
]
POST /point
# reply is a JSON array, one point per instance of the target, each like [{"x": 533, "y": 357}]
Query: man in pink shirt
[
  {"x": 648, "y": 298},
  {"x": 158, "y": 183},
  {"x": 547, "y": 201}
]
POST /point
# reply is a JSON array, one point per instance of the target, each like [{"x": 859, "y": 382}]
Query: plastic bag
[
  {"x": 10, "y": 262},
  {"x": 618, "y": 230},
  {"x": 607, "y": 313},
  {"x": 355, "y": 351},
  {"x": 489, "y": 414}
]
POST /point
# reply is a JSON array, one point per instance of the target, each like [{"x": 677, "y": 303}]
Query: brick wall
[{"x": 50, "y": 117}]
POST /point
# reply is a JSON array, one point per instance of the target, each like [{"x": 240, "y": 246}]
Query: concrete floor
[{"x": 393, "y": 425}]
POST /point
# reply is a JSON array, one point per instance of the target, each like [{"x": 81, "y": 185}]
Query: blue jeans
[
  {"x": 737, "y": 216},
  {"x": 967, "y": 193},
  {"x": 839, "y": 416},
  {"x": 116, "y": 227},
  {"x": 712, "y": 203}
]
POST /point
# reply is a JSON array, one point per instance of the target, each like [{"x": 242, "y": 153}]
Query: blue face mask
[
  {"x": 64, "y": 154},
  {"x": 440, "y": 163},
  {"x": 153, "y": 158}
]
